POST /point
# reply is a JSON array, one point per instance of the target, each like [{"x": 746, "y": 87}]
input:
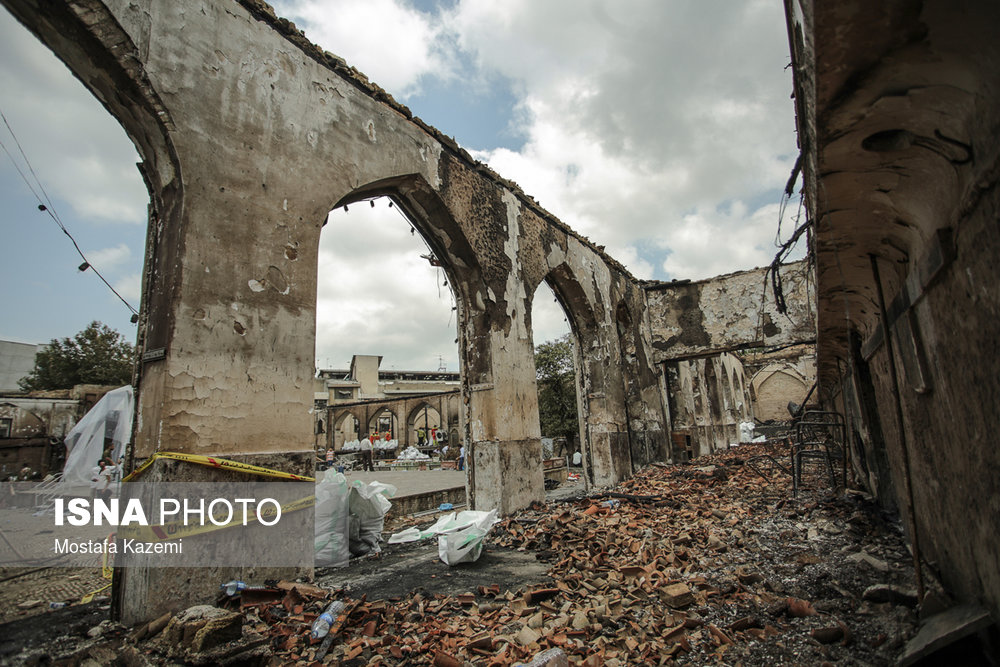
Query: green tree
[
  {"x": 96, "y": 355},
  {"x": 556, "y": 380}
]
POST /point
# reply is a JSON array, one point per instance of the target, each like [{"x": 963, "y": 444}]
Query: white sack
[
  {"x": 465, "y": 545},
  {"x": 332, "y": 522}
]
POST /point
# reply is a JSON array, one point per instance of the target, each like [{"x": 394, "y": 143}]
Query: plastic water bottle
[
  {"x": 321, "y": 626},
  {"x": 233, "y": 587}
]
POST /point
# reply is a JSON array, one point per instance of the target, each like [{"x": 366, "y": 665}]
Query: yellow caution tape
[
  {"x": 90, "y": 596},
  {"x": 106, "y": 573},
  {"x": 215, "y": 462},
  {"x": 106, "y": 570}
]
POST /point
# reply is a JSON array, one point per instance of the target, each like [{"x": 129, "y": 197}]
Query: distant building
[
  {"x": 364, "y": 381},
  {"x": 33, "y": 425},
  {"x": 17, "y": 360}
]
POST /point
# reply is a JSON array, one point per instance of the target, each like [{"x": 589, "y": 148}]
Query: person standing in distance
[{"x": 366, "y": 453}]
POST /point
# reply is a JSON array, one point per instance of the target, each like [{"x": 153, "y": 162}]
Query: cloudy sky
[{"x": 662, "y": 129}]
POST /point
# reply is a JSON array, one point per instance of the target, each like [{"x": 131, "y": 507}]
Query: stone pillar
[
  {"x": 228, "y": 358},
  {"x": 505, "y": 455},
  {"x": 505, "y": 469}
]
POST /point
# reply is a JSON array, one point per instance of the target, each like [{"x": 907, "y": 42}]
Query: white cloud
[
  {"x": 130, "y": 287},
  {"x": 548, "y": 320},
  {"x": 639, "y": 113},
  {"x": 393, "y": 44},
  {"x": 376, "y": 295},
  {"x": 106, "y": 259},
  {"x": 78, "y": 150},
  {"x": 710, "y": 242}
]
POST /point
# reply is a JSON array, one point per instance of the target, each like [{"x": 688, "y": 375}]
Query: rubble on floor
[{"x": 701, "y": 563}]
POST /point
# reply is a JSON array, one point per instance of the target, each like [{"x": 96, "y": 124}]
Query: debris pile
[
  {"x": 711, "y": 562},
  {"x": 699, "y": 563}
]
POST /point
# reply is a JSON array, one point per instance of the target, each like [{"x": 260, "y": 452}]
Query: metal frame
[{"x": 819, "y": 435}]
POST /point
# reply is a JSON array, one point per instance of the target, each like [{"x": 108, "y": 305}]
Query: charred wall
[
  {"x": 898, "y": 122},
  {"x": 732, "y": 312},
  {"x": 702, "y": 334}
]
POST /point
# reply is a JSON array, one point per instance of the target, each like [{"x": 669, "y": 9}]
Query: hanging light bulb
[
  {"x": 83, "y": 267},
  {"x": 372, "y": 202}
]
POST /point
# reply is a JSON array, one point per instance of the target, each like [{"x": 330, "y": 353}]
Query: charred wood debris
[{"x": 707, "y": 562}]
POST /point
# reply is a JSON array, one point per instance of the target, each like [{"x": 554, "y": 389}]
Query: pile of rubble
[{"x": 688, "y": 564}]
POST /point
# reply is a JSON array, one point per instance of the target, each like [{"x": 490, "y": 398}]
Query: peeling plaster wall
[
  {"x": 730, "y": 312},
  {"x": 694, "y": 328},
  {"x": 899, "y": 114},
  {"x": 23, "y": 424},
  {"x": 249, "y": 135},
  {"x": 32, "y": 417}
]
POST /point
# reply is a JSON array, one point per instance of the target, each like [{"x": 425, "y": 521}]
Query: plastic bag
[
  {"x": 446, "y": 523},
  {"x": 408, "y": 535},
  {"x": 368, "y": 505},
  {"x": 332, "y": 522},
  {"x": 464, "y": 544}
]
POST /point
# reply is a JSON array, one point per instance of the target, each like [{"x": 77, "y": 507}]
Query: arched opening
[
  {"x": 695, "y": 369},
  {"x": 84, "y": 116},
  {"x": 424, "y": 426},
  {"x": 86, "y": 176},
  {"x": 739, "y": 387},
  {"x": 773, "y": 387},
  {"x": 383, "y": 425},
  {"x": 730, "y": 409},
  {"x": 728, "y": 405},
  {"x": 382, "y": 291},
  {"x": 345, "y": 429},
  {"x": 386, "y": 305},
  {"x": 565, "y": 330},
  {"x": 639, "y": 451},
  {"x": 556, "y": 376},
  {"x": 716, "y": 428}
]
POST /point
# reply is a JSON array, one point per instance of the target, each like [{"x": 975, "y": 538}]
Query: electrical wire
[{"x": 46, "y": 206}]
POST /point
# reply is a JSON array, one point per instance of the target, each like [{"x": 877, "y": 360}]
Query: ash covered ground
[{"x": 701, "y": 563}]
